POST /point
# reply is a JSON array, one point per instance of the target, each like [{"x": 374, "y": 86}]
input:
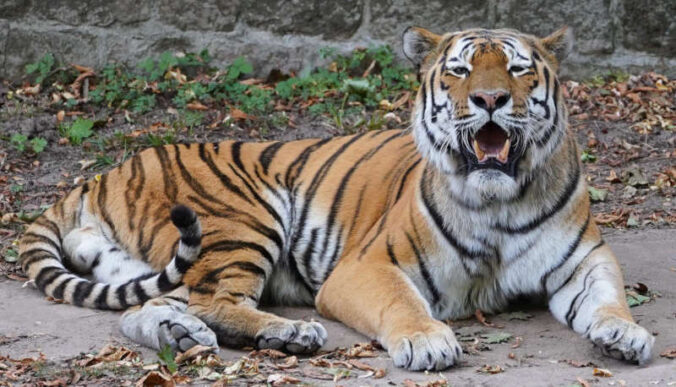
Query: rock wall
[{"x": 286, "y": 34}]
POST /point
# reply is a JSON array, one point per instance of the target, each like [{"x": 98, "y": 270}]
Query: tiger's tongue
[{"x": 491, "y": 141}]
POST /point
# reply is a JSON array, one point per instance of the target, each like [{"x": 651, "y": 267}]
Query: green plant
[
  {"x": 80, "y": 129},
  {"x": 19, "y": 142},
  {"x": 587, "y": 157},
  {"x": 376, "y": 121},
  {"x": 157, "y": 68},
  {"x": 166, "y": 355},
  {"x": 11, "y": 255},
  {"x": 156, "y": 140},
  {"x": 103, "y": 161},
  {"x": 238, "y": 67},
  {"x": 143, "y": 103},
  {"x": 30, "y": 216},
  {"x": 365, "y": 77},
  {"x": 38, "y": 144},
  {"x": 188, "y": 119},
  {"x": 42, "y": 67}
]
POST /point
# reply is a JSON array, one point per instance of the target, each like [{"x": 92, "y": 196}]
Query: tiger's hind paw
[
  {"x": 186, "y": 331},
  {"x": 622, "y": 339},
  {"x": 159, "y": 326},
  {"x": 292, "y": 336}
]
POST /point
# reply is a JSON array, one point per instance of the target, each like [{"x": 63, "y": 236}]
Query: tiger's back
[{"x": 300, "y": 203}]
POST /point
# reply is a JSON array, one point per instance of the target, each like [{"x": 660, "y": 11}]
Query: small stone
[
  {"x": 635, "y": 177},
  {"x": 391, "y": 117},
  {"x": 629, "y": 192}
]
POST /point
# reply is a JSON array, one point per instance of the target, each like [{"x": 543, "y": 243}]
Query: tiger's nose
[{"x": 490, "y": 101}]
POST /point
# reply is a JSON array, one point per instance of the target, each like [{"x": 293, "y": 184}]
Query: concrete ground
[{"x": 647, "y": 256}]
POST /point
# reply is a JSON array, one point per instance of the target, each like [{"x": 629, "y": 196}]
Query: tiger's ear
[
  {"x": 559, "y": 43},
  {"x": 418, "y": 44}
]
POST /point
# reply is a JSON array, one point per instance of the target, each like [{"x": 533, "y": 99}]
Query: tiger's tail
[{"x": 41, "y": 257}]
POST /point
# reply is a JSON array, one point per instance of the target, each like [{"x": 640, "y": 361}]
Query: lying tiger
[{"x": 389, "y": 232}]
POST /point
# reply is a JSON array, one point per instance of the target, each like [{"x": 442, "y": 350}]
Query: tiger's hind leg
[
  {"x": 164, "y": 321},
  {"x": 160, "y": 321},
  {"x": 590, "y": 299},
  {"x": 89, "y": 251},
  {"x": 225, "y": 287}
]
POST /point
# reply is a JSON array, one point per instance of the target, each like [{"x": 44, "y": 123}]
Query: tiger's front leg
[
  {"x": 375, "y": 297},
  {"x": 591, "y": 300}
]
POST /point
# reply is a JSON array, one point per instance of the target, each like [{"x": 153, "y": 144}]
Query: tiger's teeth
[
  {"x": 504, "y": 153},
  {"x": 480, "y": 155}
]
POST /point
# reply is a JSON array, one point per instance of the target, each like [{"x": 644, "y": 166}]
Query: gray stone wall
[{"x": 286, "y": 34}]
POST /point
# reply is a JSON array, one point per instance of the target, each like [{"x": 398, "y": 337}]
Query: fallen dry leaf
[
  {"x": 239, "y": 115},
  {"x": 155, "y": 378},
  {"x": 482, "y": 319},
  {"x": 271, "y": 353},
  {"x": 291, "y": 362},
  {"x": 602, "y": 372},
  {"x": 401, "y": 101},
  {"x": 280, "y": 380},
  {"x": 85, "y": 164},
  {"x": 193, "y": 352},
  {"x": 669, "y": 353},
  {"x": 580, "y": 364},
  {"x": 517, "y": 342},
  {"x": 491, "y": 369},
  {"x": 410, "y": 383},
  {"x": 361, "y": 350},
  {"x": 82, "y": 69},
  {"x": 109, "y": 353},
  {"x": 314, "y": 374},
  {"x": 583, "y": 382},
  {"x": 196, "y": 106},
  {"x": 54, "y": 383},
  {"x": 612, "y": 177},
  {"x": 377, "y": 372}
]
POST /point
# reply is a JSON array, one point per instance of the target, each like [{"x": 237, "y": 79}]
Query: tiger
[{"x": 480, "y": 202}]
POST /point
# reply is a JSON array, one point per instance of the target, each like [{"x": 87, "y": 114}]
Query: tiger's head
[{"x": 489, "y": 111}]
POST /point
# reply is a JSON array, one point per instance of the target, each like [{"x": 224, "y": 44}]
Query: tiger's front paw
[
  {"x": 430, "y": 348},
  {"x": 622, "y": 339},
  {"x": 292, "y": 336}
]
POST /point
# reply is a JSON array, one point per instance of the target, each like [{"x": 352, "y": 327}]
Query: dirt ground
[{"x": 631, "y": 167}]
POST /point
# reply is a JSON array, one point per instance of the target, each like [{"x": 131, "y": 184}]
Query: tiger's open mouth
[
  {"x": 492, "y": 148},
  {"x": 491, "y": 142}
]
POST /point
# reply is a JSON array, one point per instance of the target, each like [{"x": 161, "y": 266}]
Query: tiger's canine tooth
[
  {"x": 480, "y": 155},
  {"x": 504, "y": 153}
]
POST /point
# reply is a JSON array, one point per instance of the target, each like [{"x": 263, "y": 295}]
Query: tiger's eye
[{"x": 459, "y": 71}]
